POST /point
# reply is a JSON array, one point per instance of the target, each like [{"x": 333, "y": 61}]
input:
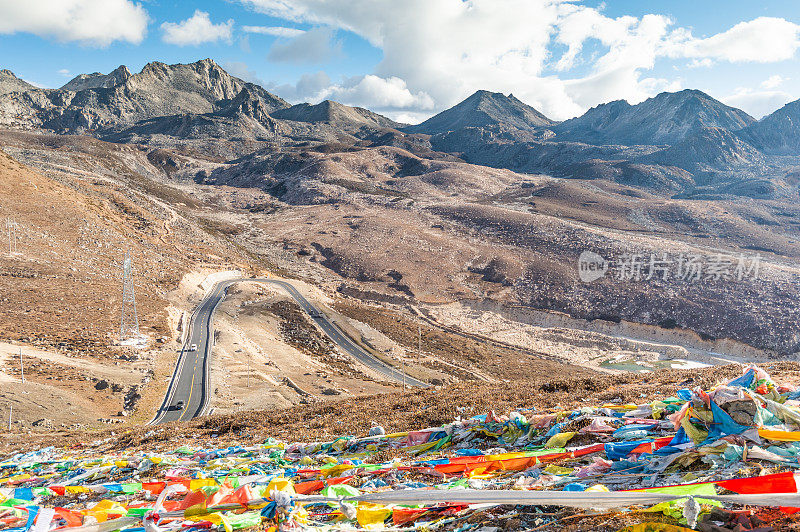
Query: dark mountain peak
[
  {"x": 153, "y": 66},
  {"x": 484, "y": 109},
  {"x": 777, "y": 133},
  {"x": 482, "y": 94},
  {"x": 121, "y": 72},
  {"x": 482, "y": 98},
  {"x": 698, "y": 101},
  {"x": 335, "y": 113},
  {"x": 683, "y": 94},
  {"x": 614, "y": 104},
  {"x": 666, "y": 118},
  {"x": 329, "y": 106}
]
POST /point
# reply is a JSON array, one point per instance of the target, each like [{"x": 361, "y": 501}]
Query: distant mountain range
[
  {"x": 679, "y": 143},
  {"x": 664, "y": 119}
]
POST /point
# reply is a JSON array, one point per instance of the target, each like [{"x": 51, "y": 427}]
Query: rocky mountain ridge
[
  {"x": 667, "y": 118},
  {"x": 98, "y": 80},
  {"x": 669, "y": 143},
  {"x": 158, "y": 90},
  {"x": 777, "y": 133},
  {"x": 9, "y": 83}
]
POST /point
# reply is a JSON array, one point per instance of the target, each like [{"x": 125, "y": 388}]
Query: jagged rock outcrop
[
  {"x": 484, "y": 109},
  {"x": 98, "y": 80},
  {"x": 9, "y": 82},
  {"x": 667, "y": 118},
  {"x": 159, "y": 90},
  {"x": 244, "y": 117}
]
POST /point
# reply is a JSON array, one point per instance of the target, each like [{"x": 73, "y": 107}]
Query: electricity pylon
[{"x": 129, "y": 325}]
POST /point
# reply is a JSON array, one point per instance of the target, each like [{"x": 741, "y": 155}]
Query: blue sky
[{"x": 413, "y": 58}]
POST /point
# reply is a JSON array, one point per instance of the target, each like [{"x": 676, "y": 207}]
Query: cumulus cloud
[
  {"x": 196, "y": 30},
  {"x": 64, "y": 72},
  {"x": 762, "y": 40},
  {"x": 314, "y": 46},
  {"x": 558, "y": 55},
  {"x": 308, "y": 88},
  {"x": 382, "y": 94},
  {"x": 390, "y": 96},
  {"x": 276, "y": 31},
  {"x": 89, "y": 22}
]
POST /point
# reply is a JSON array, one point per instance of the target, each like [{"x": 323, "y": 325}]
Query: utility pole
[
  {"x": 10, "y": 410},
  {"x": 21, "y": 366}
]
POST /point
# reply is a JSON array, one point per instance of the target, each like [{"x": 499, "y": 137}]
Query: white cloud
[
  {"x": 773, "y": 82},
  {"x": 557, "y": 55},
  {"x": 90, "y": 22},
  {"x": 307, "y": 88},
  {"x": 389, "y": 96},
  {"x": 196, "y": 30},
  {"x": 701, "y": 63},
  {"x": 376, "y": 93},
  {"x": 64, "y": 72},
  {"x": 314, "y": 46},
  {"x": 762, "y": 40},
  {"x": 277, "y": 31},
  {"x": 758, "y": 103}
]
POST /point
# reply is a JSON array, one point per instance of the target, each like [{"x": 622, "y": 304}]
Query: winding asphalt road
[{"x": 190, "y": 380}]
